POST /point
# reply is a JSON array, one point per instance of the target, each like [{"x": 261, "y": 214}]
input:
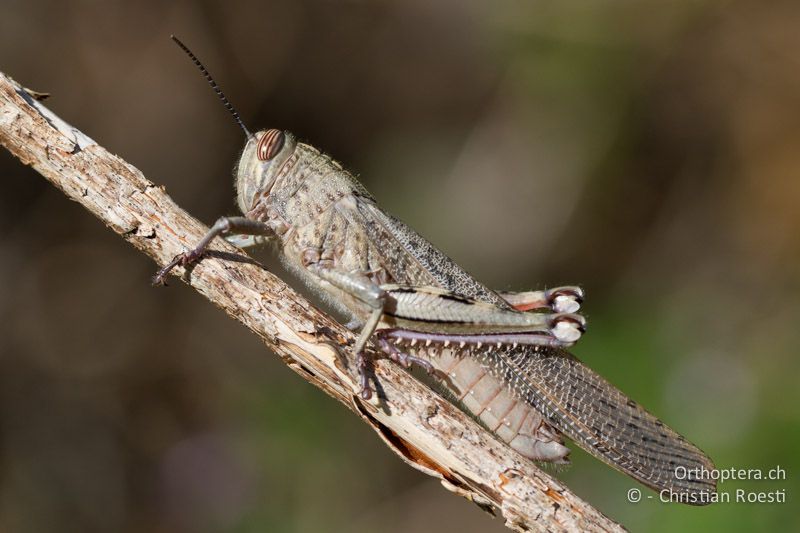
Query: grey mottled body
[
  {"x": 506, "y": 366},
  {"x": 326, "y": 218},
  {"x": 389, "y": 279}
]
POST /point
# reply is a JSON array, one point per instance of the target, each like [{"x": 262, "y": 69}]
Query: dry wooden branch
[{"x": 426, "y": 431}]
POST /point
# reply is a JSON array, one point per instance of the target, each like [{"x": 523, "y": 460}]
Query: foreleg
[{"x": 223, "y": 226}]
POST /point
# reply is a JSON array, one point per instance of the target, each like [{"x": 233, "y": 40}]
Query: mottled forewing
[
  {"x": 601, "y": 419},
  {"x": 415, "y": 253}
]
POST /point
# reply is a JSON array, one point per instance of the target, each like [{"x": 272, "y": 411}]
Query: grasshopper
[{"x": 501, "y": 354}]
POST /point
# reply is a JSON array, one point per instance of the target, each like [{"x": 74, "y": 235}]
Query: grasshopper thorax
[{"x": 261, "y": 160}]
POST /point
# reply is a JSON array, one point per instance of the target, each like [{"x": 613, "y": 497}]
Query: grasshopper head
[
  {"x": 258, "y": 166},
  {"x": 263, "y": 154}
]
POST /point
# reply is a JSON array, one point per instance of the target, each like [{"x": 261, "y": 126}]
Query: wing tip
[{"x": 694, "y": 484}]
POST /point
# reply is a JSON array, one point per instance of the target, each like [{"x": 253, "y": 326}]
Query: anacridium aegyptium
[{"x": 501, "y": 354}]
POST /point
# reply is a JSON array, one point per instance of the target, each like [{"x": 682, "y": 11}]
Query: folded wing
[{"x": 602, "y": 420}]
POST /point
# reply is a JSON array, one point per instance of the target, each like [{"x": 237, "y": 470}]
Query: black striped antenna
[{"x": 214, "y": 86}]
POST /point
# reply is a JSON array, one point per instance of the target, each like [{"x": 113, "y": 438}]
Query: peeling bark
[{"x": 423, "y": 429}]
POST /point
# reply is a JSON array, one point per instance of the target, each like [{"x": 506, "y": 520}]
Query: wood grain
[{"x": 426, "y": 431}]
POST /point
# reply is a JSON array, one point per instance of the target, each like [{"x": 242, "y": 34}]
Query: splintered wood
[{"x": 424, "y": 430}]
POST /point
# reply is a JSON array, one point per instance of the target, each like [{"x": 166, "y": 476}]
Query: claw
[
  {"x": 184, "y": 259},
  {"x": 363, "y": 366},
  {"x": 158, "y": 280}
]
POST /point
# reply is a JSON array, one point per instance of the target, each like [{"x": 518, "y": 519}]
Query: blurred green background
[{"x": 649, "y": 151}]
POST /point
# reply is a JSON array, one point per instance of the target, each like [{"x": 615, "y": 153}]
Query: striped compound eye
[{"x": 269, "y": 144}]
